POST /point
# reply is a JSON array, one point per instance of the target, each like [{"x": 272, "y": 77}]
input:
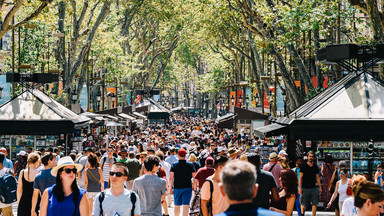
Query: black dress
[{"x": 25, "y": 204}]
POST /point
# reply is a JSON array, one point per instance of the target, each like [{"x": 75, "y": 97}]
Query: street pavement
[{"x": 171, "y": 212}]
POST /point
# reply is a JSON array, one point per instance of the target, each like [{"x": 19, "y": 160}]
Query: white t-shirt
[
  {"x": 2, "y": 172},
  {"x": 342, "y": 190},
  {"x": 106, "y": 168},
  {"x": 349, "y": 208},
  {"x": 113, "y": 205},
  {"x": 167, "y": 168}
]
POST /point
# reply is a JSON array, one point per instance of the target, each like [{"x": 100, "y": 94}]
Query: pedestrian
[
  {"x": 192, "y": 158},
  {"x": 274, "y": 167},
  {"x": 117, "y": 200},
  {"x": 266, "y": 182},
  {"x": 203, "y": 173},
  {"x": 21, "y": 163},
  {"x": 7, "y": 163},
  {"x": 106, "y": 164},
  {"x": 215, "y": 200},
  {"x": 43, "y": 180},
  {"x": 150, "y": 188},
  {"x": 180, "y": 179},
  {"x": 134, "y": 167},
  {"x": 369, "y": 199},
  {"x": 123, "y": 156},
  {"x": 349, "y": 208},
  {"x": 341, "y": 189},
  {"x": 238, "y": 184},
  {"x": 83, "y": 161},
  {"x": 378, "y": 177},
  {"x": 65, "y": 197},
  {"x": 93, "y": 179},
  {"x": 287, "y": 195},
  {"x": 25, "y": 185},
  {"x": 172, "y": 157},
  {"x": 298, "y": 164},
  {"x": 332, "y": 185},
  {"x": 5, "y": 209},
  {"x": 327, "y": 169},
  {"x": 167, "y": 168},
  {"x": 309, "y": 191}
]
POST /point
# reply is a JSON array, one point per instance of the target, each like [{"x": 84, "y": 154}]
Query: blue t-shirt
[
  {"x": 379, "y": 180},
  {"x": 43, "y": 180},
  {"x": 64, "y": 208}
]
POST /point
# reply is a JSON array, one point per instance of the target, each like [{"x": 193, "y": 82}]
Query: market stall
[{"x": 34, "y": 120}]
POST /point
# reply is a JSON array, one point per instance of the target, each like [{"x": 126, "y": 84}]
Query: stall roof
[
  {"x": 33, "y": 112},
  {"x": 353, "y": 97},
  {"x": 271, "y": 130},
  {"x": 155, "y": 110},
  {"x": 245, "y": 114},
  {"x": 126, "y": 116},
  {"x": 139, "y": 115}
]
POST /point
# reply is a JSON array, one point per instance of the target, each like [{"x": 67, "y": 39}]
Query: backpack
[
  {"x": 105, "y": 158},
  {"x": 195, "y": 207},
  {"x": 8, "y": 188},
  {"x": 102, "y": 196}
]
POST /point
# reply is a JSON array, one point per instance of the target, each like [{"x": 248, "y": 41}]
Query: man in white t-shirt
[
  {"x": 117, "y": 200},
  {"x": 5, "y": 209}
]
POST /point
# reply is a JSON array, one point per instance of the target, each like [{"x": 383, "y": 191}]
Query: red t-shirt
[{"x": 204, "y": 173}]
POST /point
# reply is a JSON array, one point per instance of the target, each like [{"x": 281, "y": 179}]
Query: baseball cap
[
  {"x": 182, "y": 152},
  {"x": 220, "y": 149},
  {"x": 209, "y": 160},
  {"x": 283, "y": 152},
  {"x": 273, "y": 155},
  {"x": 22, "y": 153}
]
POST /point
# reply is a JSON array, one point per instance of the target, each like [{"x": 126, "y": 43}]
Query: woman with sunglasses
[
  {"x": 65, "y": 198},
  {"x": 341, "y": 189}
]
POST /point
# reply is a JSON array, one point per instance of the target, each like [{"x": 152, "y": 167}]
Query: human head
[
  {"x": 4, "y": 151},
  {"x": 238, "y": 181},
  {"x": 273, "y": 157},
  {"x": 192, "y": 157},
  {"x": 369, "y": 197},
  {"x": 123, "y": 153},
  {"x": 93, "y": 160},
  {"x": 254, "y": 159},
  {"x": 182, "y": 153},
  {"x": 110, "y": 151},
  {"x": 311, "y": 156},
  {"x": 299, "y": 162},
  {"x": 118, "y": 168},
  {"x": 33, "y": 158},
  {"x": 289, "y": 181},
  {"x": 209, "y": 161},
  {"x": 160, "y": 154},
  {"x": 220, "y": 161},
  {"x": 244, "y": 157},
  {"x": 2, "y": 156},
  {"x": 151, "y": 152},
  {"x": 172, "y": 150},
  {"x": 48, "y": 159},
  {"x": 131, "y": 154},
  {"x": 151, "y": 163}
]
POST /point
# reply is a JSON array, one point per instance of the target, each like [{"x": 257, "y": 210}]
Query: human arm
[
  {"x": 332, "y": 179},
  {"x": 290, "y": 206},
  {"x": 84, "y": 206},
  {"x": 204, "y": 208},
  {"x": 85, "y": 180},
  {"x": 275, "y": 194},
  {"x": 195, "y": 183},
  {"x": 101, "y": 179},
  {"x": 44, "y": 204},
  {"x": 36, "y": 193},
  {"x": 20, "y": 187},
  {"x": 16, "y": 164},
  {"x": 170, "y": 185},
  {"x": 319, "y": 183},
  {"x": 205, "y": 197},
  {"x": 300, "y": 183},
  {"x": 334, "y": 195}
]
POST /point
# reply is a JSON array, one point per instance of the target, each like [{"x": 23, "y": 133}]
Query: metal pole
[{"x": 13, "y": 56}]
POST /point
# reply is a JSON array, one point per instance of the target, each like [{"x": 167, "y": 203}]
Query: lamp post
[
  {"x": 232, "y": 100},
  {"x": 113, "y": 97},
  {"x": 257, "y": 99},
  {"x": 241, "y": 100},
  {"x": 74, "y": 96},
  {"x": 284, "y": 93},
  {"x": 246, "y": 102},
  {"x": 1, "y": 91},
  {"x": 98, "y": 98}
]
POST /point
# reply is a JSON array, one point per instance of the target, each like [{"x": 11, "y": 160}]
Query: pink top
[{"x": 276, "y": 171}]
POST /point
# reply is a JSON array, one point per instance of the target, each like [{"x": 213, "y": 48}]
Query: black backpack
[
  {"x": 105, "y": 158},
  {"x": 102, "y": 196}
]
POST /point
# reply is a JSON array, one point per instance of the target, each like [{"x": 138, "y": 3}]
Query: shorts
[
  {"x": 309, "y": 196},
  {"x": 92, "y": 195},
  {"x": 182, "y": 196}
]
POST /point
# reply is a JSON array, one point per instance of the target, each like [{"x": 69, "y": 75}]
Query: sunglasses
[
  {"x": 118, "y": 174},
  {"x": 142, "y": 157},
  {"x": 68, "y": 170},
  {"x": 110, "y": 150}
]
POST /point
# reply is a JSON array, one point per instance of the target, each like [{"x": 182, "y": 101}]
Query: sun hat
[
  {"x": 65, "y": 161},
  {"x": 273, "y": 155}
]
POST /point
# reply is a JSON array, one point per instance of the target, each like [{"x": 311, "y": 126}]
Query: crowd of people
[{"x": 191, "y": 165}]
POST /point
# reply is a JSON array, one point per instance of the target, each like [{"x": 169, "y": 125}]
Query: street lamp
[
  {"x": 74, "y": 95},
  {"x": 241, "y": 100},
  {"x": 284, "y": 93},
  {"x": 247, "y": 101},
  {"x": 232, "y": 100},
  {"x": 257, "y": 99},
  {"x": 1, "y": 91}
]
